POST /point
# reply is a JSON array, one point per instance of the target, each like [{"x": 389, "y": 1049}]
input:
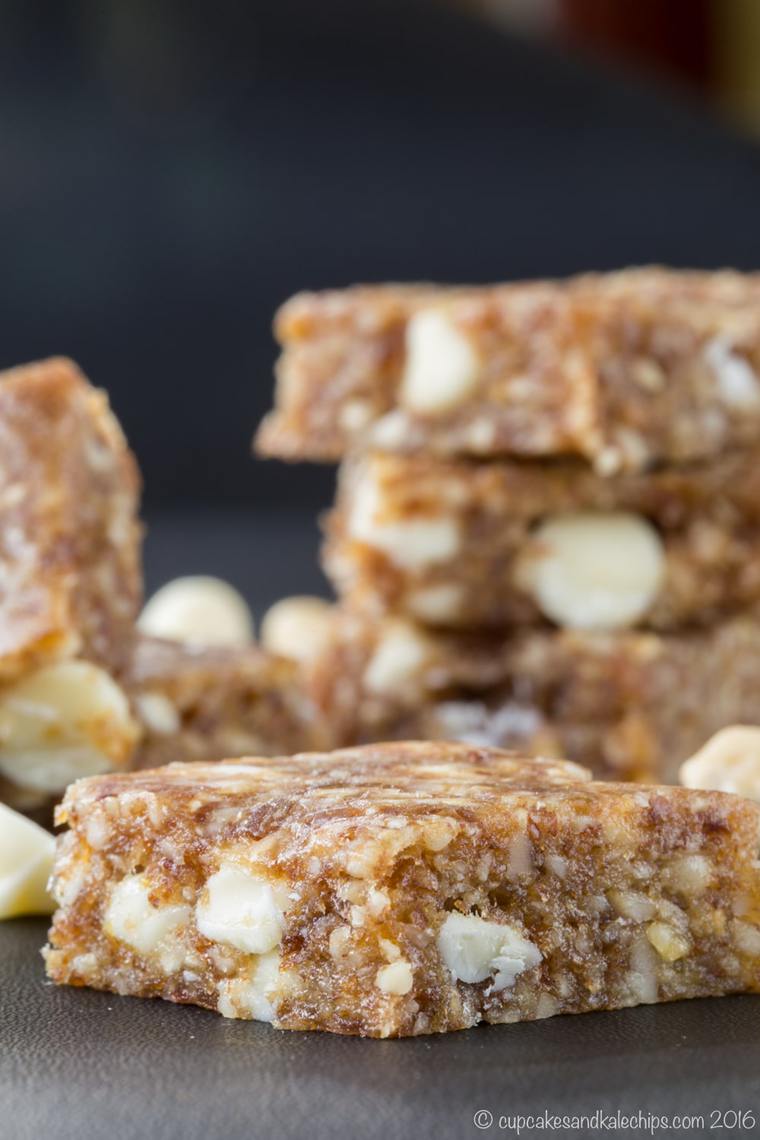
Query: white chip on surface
[
  {"x": 594, "y": 570},
  {"x": 26, "y": 860},
  {"x": 199, "y": 610},
  {"x": 297, "y": 627}
]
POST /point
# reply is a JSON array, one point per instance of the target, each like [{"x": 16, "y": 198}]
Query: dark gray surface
[
  {"x": 266, "y": 554},
  {"x": 81, "y": 1064}
]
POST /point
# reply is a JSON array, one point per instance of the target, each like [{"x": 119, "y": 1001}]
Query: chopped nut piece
[
  {"x": 632, "y": 904},
  {"x": 668, "y": 943},
  {"x": 199, "y": 610}
]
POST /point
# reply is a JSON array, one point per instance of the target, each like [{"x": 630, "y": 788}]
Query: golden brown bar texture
[
  {"x": 69, "y": 535},
  {"x": 403, "y": 889},
  {"x": 630, "y": 705},
  {"x": 625, "y": 369},
  {"x": 210, "y": 703},
  {"x": 460, "y": 545}
]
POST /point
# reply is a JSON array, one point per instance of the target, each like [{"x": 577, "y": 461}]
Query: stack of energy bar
[{"x": 547, "y": 525}]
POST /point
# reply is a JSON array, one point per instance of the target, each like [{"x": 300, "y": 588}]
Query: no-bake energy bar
[
  {"x": 625, "y": 369},
  {"x": 69, "y": 535},
  {"x": 403, "y": 889},
  {"x": 207, "y": 703},
  {"x": 491, "y": 545},
  {"x": 70, "y": 583}
]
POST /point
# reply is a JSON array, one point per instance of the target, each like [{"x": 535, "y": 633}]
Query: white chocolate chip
[
  {"x": 132, "y": 918},
  {"x": 474, "y": 949},
  {"x": 157, "y": 713},
  {"x": 241, "y": 908},
  {"x": 199, "y": 610},
  {"x": 410, "y": 544},
  {"x": 396, "y": 978},
  {"x": 398, "y": 659},
  {"x": 297, "y": 627},
  {"x": 26, "y": 860},
  {"x": 729, "y": 762},
  {"x": 441, "y": 365},
  {"x": 738, "y": 383},
  {"x": 594, "y": 570},
  {"x": 62, "y": 722}
]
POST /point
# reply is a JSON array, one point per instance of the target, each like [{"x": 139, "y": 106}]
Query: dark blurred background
[{"x": 171, "y": 171}]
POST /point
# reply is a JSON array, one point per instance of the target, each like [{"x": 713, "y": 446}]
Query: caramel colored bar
[
  {"x": 70, "y": 584},
  {"x": 624, "y": 369},
  {"x": 69, "y": 535},
  {"x": 491, "y": 545},
  {"x": 403, "y": 889}
]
